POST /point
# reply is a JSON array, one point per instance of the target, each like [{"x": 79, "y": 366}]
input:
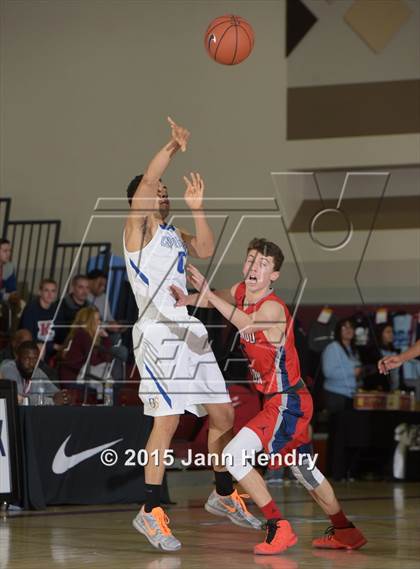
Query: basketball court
[{"x": 101, "y": 536}]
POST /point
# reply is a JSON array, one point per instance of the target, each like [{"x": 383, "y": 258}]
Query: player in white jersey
[{"x": 177, "y": 367}]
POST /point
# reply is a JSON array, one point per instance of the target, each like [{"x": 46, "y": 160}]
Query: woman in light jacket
[{"x": 341, "y": 368}]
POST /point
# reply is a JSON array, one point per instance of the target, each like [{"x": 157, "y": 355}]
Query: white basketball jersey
[{"x": 153, "y": 269}]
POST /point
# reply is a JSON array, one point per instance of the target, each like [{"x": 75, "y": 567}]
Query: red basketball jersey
[{"x": 273, "y": 369}]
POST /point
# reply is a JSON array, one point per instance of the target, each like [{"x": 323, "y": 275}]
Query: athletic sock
[
  {"x": 224, "y": 483},
  {"x": 339, "y": 521},
  {"x": 270, "y": 511},
  {"x": 152, "y": 497}
]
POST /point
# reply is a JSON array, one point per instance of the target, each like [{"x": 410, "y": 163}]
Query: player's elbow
[
  {"x": 204, "y": 250},
  {"x": 204, "y": 254}
]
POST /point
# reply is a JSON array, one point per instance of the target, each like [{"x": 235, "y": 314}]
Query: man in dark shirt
[
  {"x": 38, "y": 316},
  {"x": 70, "y": 306}
]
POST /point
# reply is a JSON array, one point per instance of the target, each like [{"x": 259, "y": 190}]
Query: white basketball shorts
[{"x": 177, "y": 367}]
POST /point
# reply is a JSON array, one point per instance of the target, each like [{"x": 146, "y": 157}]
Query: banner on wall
[{"x": 9, "y": 443}]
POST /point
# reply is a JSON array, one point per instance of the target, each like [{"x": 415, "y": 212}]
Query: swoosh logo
[
  {"x": 63, "y": 462},
  {"x": 152, "y": 532},
  {"x": 227, "y": 507},
  {"x": 211, "y": 39}
]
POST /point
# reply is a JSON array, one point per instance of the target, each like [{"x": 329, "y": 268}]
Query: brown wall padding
[
  {"x": 394, "y": 213},
  {"x": 364, "y": 109}
]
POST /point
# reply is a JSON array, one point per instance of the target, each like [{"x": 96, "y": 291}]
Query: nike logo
[
  {"x": 152, "y": 532},
  {"x": 62, "y": 462},
  {"x": 211, "y": 39},
  {"x": 227, "y": 507}
]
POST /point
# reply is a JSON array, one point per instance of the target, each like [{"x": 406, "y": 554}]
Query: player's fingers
[
  {"x": 187, "y": 181},
  {"x": 191, "y": 280}
]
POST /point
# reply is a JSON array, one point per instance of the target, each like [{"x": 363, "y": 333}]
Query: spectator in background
[
  {"x": 98, "y": 298},
  {"x": 71, "y": 304},
  {"x": 10, "y": 351},
  {"x": 341, "y": 368},
  {"x": 87, "y": 352},
  {"x": 31, "y": 381},
  {"x": 11, "y": 303},
  {"x": 97, "y": 294},
  {"x": 383, "y": 347},
  {"x": 38, "y": 317}
]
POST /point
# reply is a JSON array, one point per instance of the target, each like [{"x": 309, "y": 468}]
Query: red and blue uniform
[{"x": 283, "y": 423}]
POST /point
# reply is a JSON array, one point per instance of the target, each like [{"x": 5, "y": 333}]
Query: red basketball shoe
[
  {"x": 279, "y": 537},
  {"x": 347, "y": 538}
]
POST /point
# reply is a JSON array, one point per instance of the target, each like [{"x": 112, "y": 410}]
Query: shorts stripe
[
  {"x": 158, "y": 385},
  {"x": 287, "y": 428},
  {"x": 277, "y": 425}
]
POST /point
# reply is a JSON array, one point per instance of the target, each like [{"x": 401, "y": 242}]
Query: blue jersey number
[{"x": 181, "y": 262}]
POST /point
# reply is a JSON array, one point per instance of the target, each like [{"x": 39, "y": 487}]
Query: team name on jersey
[
  {"x": 171, "y": 241},
  {"x": 248, "y": 337},
  {"x": 256, "y": 376}
]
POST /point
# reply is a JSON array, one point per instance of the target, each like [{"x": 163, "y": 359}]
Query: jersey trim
[{"x": 139, "y": 272}]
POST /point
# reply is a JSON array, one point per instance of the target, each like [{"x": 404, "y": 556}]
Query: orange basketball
[{"x": 229, "y": 39}]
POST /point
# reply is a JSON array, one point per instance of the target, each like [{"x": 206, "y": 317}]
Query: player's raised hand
[
  {"x": 194, "y": 193},
  {"x": 388, "y": 363},
  {"x": 179, "y": 295},
  {"x": 179, "y": 134},
  {"x": 197, "y": 280}
]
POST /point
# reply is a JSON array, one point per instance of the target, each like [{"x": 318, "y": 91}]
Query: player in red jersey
[{"x": 267, "y": 339}]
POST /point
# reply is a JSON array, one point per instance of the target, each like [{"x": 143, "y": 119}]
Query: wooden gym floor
[{"x": 102, "y": 536}]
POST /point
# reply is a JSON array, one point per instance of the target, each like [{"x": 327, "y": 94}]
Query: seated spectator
[
  {"x": 98, "y": 298},
  {"x": 373, "y": 380},
  {"x": 70, "y": 305},
  {"x": 10, "y": 351},
  {"x": 87, "y": 354},
  {"x": 31, "y": 381},
  {"x": 38, "y": 317},
  {"x": 341, "y": 368},
  {"x": 9, "y": 297},
  {"x": 97, "y": 294}
]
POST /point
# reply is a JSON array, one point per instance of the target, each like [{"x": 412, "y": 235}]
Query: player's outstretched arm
[
  {"x": 270, "y": 315},
  {"x": 200, "y": 245},
  {"x": 391, "y": 362},
  {"x": 144, "y": 201},
  {"x": 196, "y": 299}
]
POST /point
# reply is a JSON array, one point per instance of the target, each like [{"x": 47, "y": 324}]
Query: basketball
[{"x": 229, "y": 39}]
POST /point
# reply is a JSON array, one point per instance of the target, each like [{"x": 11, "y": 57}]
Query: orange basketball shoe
[
  {"x": 154, "y": 525},
  {"x": 279, "y": 537},
  {"x": 347, "y": 538}
]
